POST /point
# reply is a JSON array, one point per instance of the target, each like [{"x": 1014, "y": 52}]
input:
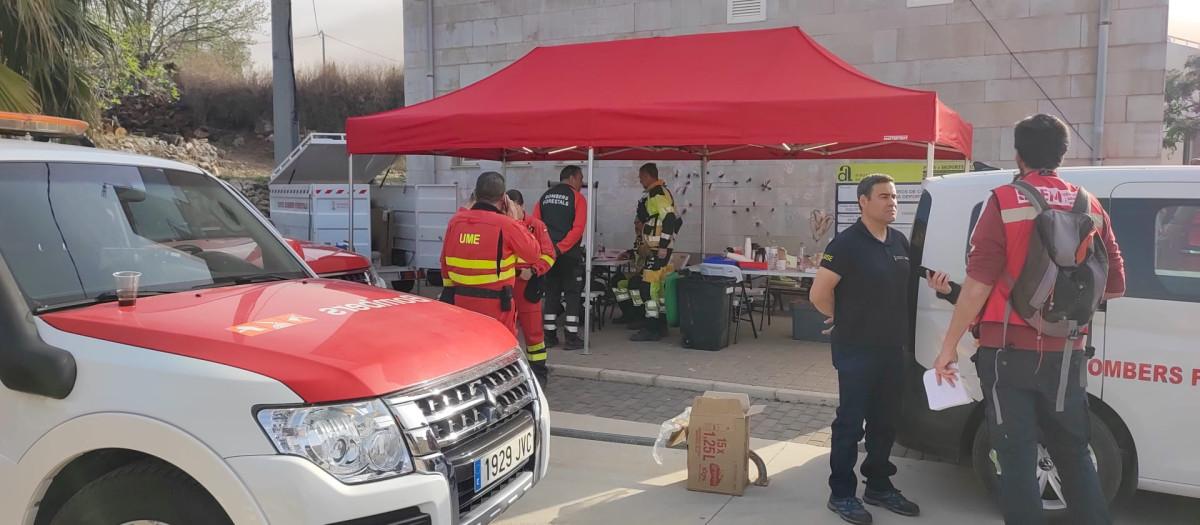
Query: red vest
[
  {"x": 1018, "y": 214},
  {"x": 473, "y": 253}
]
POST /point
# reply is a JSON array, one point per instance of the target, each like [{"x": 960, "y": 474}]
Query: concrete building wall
[
  {"x": 1040, "y": 57},
  {"x": 1179, "y": 50}
]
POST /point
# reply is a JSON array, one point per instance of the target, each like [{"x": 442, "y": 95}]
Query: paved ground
[
  {"x": 780, "y": 421},
  {"x": 595, "y": 482},
  {"x": 772, "y": 360}
]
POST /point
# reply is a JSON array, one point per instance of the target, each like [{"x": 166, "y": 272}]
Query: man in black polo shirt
[{"x": 863, "y": 285}]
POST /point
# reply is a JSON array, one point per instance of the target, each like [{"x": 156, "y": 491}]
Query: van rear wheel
[
  {"x": 1105, "y": 452},
  {"x": 433, "y": 278},
  {"x": 144, "y": 492},
  {"x": 405, "y": 286}
]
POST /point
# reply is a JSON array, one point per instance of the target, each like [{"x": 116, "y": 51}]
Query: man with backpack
[{"x": 1043, "y": 257}]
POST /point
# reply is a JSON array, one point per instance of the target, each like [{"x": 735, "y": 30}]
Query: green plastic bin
[{"x": 672, "y": 299}]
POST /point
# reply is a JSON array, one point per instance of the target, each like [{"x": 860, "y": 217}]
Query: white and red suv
[{"x": 239, "y": 387}]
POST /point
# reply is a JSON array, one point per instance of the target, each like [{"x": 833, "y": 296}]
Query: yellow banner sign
[{"x": 901, "y": 171}]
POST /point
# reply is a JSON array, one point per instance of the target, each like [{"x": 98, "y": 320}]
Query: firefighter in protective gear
[
  {"x": 480, "y": 251},
  {"x": 564, "y": 210},
  {"x": 529, "y": 290},
  {"x": 632, "y": 314},
  {"x": 660, "y": 224}
]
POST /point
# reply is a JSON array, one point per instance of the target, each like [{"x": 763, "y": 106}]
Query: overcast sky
[
  {"x": 375, "y": 26},
  {"x": 1184, "y": 19},
  {"x": 377, "y": 29}
]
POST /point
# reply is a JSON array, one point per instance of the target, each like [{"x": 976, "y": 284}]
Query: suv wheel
[{"x": 144, "y": 492}]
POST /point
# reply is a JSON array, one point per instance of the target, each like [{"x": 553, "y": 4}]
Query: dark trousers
[
  {"x": 1027, "y": 393},
  {"x": 564, "y": 281},
  {"x": 870, "y": 381}
]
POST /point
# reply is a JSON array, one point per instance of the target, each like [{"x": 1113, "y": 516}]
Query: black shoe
[
  {"x": 551, "y": 340},
  {"x": 850, "y": 509},
  {"x": 891, "y": 500},
  {"x": 542, "y": 373},
  {"x": 646, "y": 334},
  {"x": 573, "y": 343}
]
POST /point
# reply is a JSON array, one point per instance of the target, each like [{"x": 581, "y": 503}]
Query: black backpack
[{"x": 1066, "y": 269}]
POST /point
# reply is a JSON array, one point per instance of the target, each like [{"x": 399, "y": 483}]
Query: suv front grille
[
  {"x": 461, "y": 411},
  {"x": 354, "y": 277},
  {"x": 462, "y": 416}
]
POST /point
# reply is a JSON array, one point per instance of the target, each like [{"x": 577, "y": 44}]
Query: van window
[
  {"x": 1177, "y": 247},
  {"x": 975, "y": 212},
  {"x": 916, "y": 249},
  {"x": 1160, "y": 243}
]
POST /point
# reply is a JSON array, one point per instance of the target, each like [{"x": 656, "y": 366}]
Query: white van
[{"x": 1144, "y": 379}]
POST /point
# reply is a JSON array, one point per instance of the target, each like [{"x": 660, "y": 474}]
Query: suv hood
[
  {"x": 327, "y": 340},
  {"x": 324, "y": 259}
]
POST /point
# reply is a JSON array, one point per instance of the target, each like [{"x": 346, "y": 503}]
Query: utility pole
[
  {"x": 283, "y": 75},
  {"x": 1189, "y": 140}
]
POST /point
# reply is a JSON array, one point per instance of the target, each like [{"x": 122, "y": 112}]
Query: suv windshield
[{"x": 68, "y": 227}]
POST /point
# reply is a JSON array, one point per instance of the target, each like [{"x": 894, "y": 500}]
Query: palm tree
[{"x": 44, "y": 45}]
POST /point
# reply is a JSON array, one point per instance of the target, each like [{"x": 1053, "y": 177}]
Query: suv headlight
[{"x": 354, "y": 442}]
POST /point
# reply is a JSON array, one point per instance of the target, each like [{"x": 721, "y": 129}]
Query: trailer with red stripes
[{"x": 398, "y": 227}]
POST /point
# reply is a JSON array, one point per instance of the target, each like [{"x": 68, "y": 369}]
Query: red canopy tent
[
  {"x": 742, "y": 95},
  {"x": 747, "y": 95}
]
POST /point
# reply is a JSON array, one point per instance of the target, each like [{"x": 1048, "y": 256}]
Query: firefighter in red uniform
[
  {"x": 529, "y": 290},
  {"x": 479, "y": 253}
]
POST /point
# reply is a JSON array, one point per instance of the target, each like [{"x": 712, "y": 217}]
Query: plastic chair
[
  {"x": 746, "y": 297},
  {"x": 680, "y": 260},
  {"x": 604, "y": 302}
]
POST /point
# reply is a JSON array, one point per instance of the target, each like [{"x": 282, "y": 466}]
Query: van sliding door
[{"x": 1151, "y": 360}]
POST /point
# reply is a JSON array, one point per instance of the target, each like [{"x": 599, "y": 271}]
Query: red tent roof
[{"x": 741, "y": 95}]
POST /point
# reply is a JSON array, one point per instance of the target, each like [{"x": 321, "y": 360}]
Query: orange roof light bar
[{"x": 40, "y": 124}]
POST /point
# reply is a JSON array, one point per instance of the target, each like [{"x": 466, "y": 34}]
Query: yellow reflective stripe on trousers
[
  {"x": 479, "y": 264},
  {"x": 540, "y": 347},
  {"x": 476, "y": 280}
]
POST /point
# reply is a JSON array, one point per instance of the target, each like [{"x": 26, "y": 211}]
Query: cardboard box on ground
[{"x": 718, "y": 443}]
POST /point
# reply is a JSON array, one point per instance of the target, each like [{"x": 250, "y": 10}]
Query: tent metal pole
[
  {"x": 587, "y": 269},
  {"x": 929, "y": 151},
  {"x": 350, "y": 191},
  {"x": 703, "y": 204}
]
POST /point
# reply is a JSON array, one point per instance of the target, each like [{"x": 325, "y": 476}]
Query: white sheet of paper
[{"x": 944, "y": 396}]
